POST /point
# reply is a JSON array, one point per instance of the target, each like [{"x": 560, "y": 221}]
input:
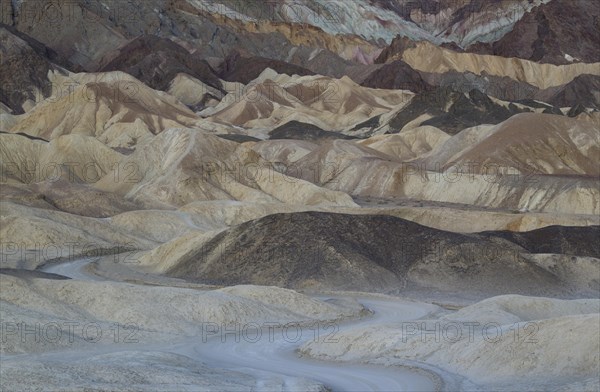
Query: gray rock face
[{"x": 23, "y": 70}]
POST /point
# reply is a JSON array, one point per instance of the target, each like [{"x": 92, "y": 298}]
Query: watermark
[
  {"x": 327, "y": 332},
  {"x": 328, "y": 172},
  {"x": 38, "y": 254},
  {"x": 57, "y": 13},
  {"x": 106, "y": 86},
  {"x": 323, "y": 13},
  {"x": 468, "y": 171},
  {"x": 275, "y": 251},
  {"x": 331, "y": 13},
  {"x": 437, "y": 12},
  {"x": 117, "y": 88},
  {"x": 315, "y": 13},
  {"x": 254, "y": 332},
  {"x": 249, "y": 170},
  {"x": 469, "y": 331},
  {"x": 262, "y": 171},
  {"x": 329, "y": 91},
  {"x": 511, "y": 91},
  {"x": 444, "y": 93},
  {"x": 129, "y": 172},
  {"x": 29, "y": 171},
  {"x": 439, "y": 251},
  {"x": 68, "y": 332},
  {"x": 312, "y": 251},
  {"x": 324, "y": 89}
]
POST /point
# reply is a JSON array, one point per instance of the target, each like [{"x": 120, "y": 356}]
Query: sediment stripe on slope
[{"x": 427, "y": 57}]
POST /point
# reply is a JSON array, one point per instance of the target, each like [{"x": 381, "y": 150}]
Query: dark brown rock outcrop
[
  {"x": 397, "y": 75},
  {"x": 551, "y": 31},
  {"x": 373, "y": 252},
  {"x": 156, "y": 61},
  {"x": 245, "y": 69}
]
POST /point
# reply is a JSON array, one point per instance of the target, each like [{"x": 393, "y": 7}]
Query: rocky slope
[
  {"x": 161, "y": 153},
  {"x": 24, "y": 68}
]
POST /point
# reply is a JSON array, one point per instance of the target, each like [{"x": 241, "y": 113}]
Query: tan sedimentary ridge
[
  {"x": 99, "y": 102},
  {"x": 528, "y": 143},
  {"x": 360, "y": 172},
  {"x": 74, "y": 157},
  {"x": 180, "y": 166},
  {"x": 427, "y": 57},
  {"x": 409, "y": 144},
  {"x": 332, "y": 104}
]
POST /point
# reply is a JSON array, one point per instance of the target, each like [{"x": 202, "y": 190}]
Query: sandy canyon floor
[{"x": 365, "y": 195}]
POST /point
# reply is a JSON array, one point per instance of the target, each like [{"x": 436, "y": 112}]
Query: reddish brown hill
[
  {"x": 156, "y": 61},
  {"x": 551, "y": 31}
]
